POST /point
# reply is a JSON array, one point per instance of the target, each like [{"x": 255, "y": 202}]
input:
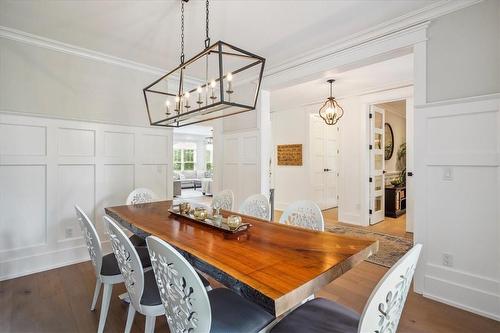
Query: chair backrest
[
  {"x": 256, "y": 205},
  {"x": 182, "y": 293},
  {"x": 305, "y": 214},
  {"x": 223, "y": 200},
  {"x": 385, "y": 305},
  {"x": 91, "y": 239},
  {"x": 141, "y": 195},
  {"x": 128, "y": 261}
]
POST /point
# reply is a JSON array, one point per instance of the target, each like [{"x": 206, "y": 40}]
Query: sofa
[{"x": 189, "y": 179}]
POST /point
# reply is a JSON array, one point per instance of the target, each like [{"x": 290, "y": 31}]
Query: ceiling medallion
[
  {"x": 331, "y": 111},
  {"x": 220, "y": 81}
]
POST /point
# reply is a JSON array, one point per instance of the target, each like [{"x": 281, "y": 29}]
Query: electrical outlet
[
  {"x": 68, "y": 232},
  {"x": 447, "y": 260}
]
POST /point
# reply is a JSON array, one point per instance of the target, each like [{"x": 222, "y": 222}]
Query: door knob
[{"x": 410, "y": 174}]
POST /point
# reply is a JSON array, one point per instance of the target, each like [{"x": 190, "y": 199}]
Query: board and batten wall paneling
[
  {"x": 241, "y": 164},
  {"x": 457, "y": 202},
  {"x": 48, "y": 165}
]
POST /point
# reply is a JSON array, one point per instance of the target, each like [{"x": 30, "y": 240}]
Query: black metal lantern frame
[{"x": 220, "y": 81}]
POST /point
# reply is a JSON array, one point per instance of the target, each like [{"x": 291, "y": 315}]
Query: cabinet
[{"x": 395, "y": 201}]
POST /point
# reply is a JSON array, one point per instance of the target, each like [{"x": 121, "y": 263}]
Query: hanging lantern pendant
[
  {"x": 220, "y": 81},
  {"x": 331, "y": 111}
]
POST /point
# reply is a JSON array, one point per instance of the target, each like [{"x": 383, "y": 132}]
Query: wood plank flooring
[{"x": 59, "y": 300}]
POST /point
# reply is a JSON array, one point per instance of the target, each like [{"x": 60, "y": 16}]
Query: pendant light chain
[
  {"x": 207, "y": 39},
  {"x": 182, "y": 31}
]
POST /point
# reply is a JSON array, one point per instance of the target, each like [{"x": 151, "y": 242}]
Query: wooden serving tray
[{"x": 243, "y": 228}]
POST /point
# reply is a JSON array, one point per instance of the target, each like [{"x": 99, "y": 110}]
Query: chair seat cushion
[
  {"x": 233, "y": 313},
  {"x": 151, "y": 295},
  {"x": 110, "y": 265},
  {"x": 319, "y": 316},
  {"x": 137, "y": 241}
]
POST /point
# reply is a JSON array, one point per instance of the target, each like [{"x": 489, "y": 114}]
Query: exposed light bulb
[
  {"x": 229, "y": 77},
  {"x": 186, "y": 94},
  {"x": 212, "y": 84},
  {"x": 177, "y": 99},
  {"x": 199, "y": 90},
  {"x": 167, "y": 103}
]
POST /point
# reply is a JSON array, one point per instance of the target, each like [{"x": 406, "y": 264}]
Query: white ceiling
[
  {"x": 148, "y": 31},
  {"x": 377, "y": 76}
]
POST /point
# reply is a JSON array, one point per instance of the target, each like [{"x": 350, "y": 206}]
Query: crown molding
[
  {"x": 51, "y": 44},
  {"x": 405, "y": 24}
]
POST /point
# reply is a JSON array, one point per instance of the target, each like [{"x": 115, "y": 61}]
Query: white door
[
  {"x": 410, "y": 205},
  {"x": 377, "y": 165},
  {"x": 324, "y": 161}
]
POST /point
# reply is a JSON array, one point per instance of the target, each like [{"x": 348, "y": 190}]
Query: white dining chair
[
  {"x": 138, "y": 196},
  {"x": 141, "y": 195},
  {"x": 305, "y": 214},
  {"x": 223, "y": 200},
  {"x": 141, "y": 286},
  {"x": 381, "y": 313},
  {"x": 105, "y": 266},
  {"x": 190, "y": 308},
  {"x": 256, "y": 205}
]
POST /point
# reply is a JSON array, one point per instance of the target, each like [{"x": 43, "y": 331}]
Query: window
[
  {"x": 184, "y": 156},
  {"x": 209, "y": 157}
]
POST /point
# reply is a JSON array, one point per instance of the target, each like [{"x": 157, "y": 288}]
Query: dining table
[{"x": 276, "y": 266}]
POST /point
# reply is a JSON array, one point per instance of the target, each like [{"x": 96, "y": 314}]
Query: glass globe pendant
[{"x": 331, "y": 111}]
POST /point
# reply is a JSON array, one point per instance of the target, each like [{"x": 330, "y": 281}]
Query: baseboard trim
[
  {"x": 28, "y": 265},
  {"x": 458, "y": 290}
]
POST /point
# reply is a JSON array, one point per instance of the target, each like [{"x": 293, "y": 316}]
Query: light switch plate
[{"x": 447, "y": 174}]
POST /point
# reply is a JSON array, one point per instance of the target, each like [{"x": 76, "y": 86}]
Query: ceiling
[
  {"x": 396, "y": 107},
  {"x": 377, "y": 76},
  {"x": 148, "y": 31}
]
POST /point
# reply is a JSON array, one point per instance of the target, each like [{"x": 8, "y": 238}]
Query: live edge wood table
[{"x": 274, "y": 265}]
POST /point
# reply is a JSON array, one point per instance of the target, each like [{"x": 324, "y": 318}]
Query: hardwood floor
[{"x": 59, "y": 300}]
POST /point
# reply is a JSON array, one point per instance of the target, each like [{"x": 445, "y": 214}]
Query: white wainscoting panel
[
  {"x": 22, "y": 206},
  {"x": 458, "y": 199},
  {"x": 48, "y": 165},
  {"x": 242, "y": 164},
  {"x": 30, "y": 140}
]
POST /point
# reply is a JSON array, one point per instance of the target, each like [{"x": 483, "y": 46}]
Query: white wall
[
  {"x": 464, "y": 53},
  {"x": 48, "y": 165},
  {"x": 459, "y": 136},
  {"x": 458, "y": 200},
  {"x": 41, "y": 80}
]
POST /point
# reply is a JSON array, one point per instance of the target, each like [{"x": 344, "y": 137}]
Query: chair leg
[
  {"x": 130, "y": 318},
  {"x": 106, "y": 298},
  {"x": 98, "y": 284},
  {"x": 150, "y": 324}
]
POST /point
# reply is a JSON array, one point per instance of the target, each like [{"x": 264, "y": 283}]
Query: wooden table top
[{"x": 276, "y": 266}]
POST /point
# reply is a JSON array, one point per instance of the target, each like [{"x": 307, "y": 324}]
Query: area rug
[{"x": 390, "y": 249}]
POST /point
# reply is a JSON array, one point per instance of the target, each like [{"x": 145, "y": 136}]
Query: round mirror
[{"x": 389, "y": 141}]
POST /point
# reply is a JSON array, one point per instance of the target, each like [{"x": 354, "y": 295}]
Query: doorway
[
  {"x": 324, "y": 162},
  {"x": 389, "y": 193}
]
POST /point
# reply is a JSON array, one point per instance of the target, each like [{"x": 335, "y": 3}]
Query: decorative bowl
[
  {"x": 200, "y": 213},
  {"x": 233, "y": 222}
]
